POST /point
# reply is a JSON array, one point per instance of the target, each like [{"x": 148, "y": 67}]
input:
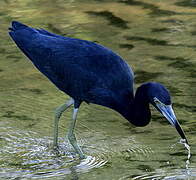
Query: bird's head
[{"x": 160, "y": 98}]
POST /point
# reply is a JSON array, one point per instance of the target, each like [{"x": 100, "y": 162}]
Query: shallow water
[{"x": 157, "y": 38}]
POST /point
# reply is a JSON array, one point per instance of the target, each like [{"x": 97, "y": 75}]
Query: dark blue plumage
[
  {"x": 84, "y": 70},
  {"x": 89, "y": 72}
]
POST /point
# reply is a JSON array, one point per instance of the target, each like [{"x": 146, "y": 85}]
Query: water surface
[{"x": 156, "y": 38}]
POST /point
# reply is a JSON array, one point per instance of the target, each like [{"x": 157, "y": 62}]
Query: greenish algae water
[{"x": 157, "y": 38}]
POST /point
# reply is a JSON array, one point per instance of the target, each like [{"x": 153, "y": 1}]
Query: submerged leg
[
  {"x": 58, "y": 113},
  {"x": 71, "y": 135}
]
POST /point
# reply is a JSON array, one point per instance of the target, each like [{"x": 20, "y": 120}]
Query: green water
[{"x": 157, "y": 38}]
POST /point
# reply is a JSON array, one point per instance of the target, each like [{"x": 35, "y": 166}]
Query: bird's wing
[{"x": 74, "y": 66}]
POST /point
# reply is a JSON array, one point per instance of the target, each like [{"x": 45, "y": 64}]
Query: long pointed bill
[{"x": 168, "y": 112}]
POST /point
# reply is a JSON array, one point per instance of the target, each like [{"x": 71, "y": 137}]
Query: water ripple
[
  {"x": 25, "y": 155},
  {"x": 160, "y": 174},
  {"x": 139, "y": 151}
]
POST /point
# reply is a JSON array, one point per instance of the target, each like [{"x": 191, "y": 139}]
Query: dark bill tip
[{"x": 181, "y": 132}]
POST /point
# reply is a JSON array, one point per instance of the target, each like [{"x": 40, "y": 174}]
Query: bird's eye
[{"x": 156, "y": 100}]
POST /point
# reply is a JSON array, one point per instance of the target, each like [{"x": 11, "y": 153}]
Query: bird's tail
[
  {"x": 17, "y": 26},
  {"x": 22, "y": 35}
]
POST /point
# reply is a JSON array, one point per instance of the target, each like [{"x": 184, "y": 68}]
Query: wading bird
[{"x": 91, "y": 73}]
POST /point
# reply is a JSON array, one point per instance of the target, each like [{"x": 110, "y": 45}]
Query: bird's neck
[{"x": 137, "y": 110}]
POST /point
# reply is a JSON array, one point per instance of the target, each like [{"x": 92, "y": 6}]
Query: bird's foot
[
  {"x": 56, "y": 149},
  {"x": 82, "y": 156}
]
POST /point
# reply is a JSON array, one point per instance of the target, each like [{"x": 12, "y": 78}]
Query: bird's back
[{"x": 84, "y": 70}]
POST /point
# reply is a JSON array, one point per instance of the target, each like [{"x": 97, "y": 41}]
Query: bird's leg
[
  {"x": 58, "y": 113},
  {"x": 71, "y": 135}
]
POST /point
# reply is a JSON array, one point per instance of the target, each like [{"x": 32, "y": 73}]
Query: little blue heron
[{"x": 91, "y": 73}]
